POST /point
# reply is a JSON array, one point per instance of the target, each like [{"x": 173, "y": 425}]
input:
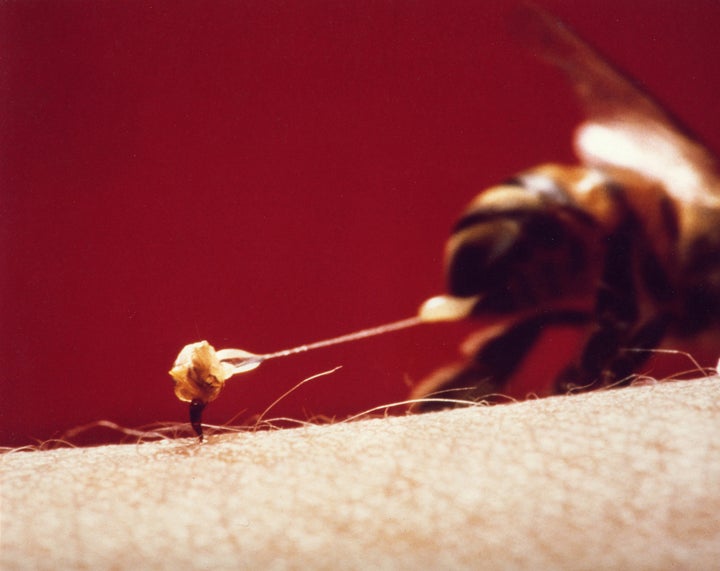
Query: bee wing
[{"x": 625, "y": 128}]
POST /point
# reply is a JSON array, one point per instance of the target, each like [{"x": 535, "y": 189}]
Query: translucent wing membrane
[{"x": 625, "y": 128}]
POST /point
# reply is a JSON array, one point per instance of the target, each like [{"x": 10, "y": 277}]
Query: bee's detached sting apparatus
[{"x": 200, "y": 372}]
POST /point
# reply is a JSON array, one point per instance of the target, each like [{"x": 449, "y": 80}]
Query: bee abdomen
[{"x": 521, "y": 243}]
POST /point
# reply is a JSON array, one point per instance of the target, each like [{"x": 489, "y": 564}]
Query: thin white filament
[{"x": 242, "y": 361}]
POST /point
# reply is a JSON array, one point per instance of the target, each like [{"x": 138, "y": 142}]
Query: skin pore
[{"x": 625, "y": 478}]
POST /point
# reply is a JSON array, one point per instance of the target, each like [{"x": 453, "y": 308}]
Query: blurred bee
[{"x": 625, "y": 247}]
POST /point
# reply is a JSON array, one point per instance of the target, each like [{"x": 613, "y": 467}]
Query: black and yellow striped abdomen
[{"x": 573, "y": 246}]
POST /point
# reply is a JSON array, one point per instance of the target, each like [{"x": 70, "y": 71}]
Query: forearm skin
[{"x": 626, "y": 478}]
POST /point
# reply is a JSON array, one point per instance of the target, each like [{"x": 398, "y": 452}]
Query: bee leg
[
  {"x": 494, "y": 363},
  {"x": 611, "y": 360},
  {"x": 605, "y": 360},
  {"x": 616, "y": 313}
]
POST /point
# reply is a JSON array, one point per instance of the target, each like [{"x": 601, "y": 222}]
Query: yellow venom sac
[{"x": 198, "y": 373}]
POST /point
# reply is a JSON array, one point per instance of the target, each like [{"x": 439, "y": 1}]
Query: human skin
[{"x": 625, "y": 478}]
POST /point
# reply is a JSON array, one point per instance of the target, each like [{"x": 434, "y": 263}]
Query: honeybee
[{"x": 624, "y": 247}]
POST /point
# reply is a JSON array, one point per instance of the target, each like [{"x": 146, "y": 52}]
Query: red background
[{"x": 264, "y": 174}]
